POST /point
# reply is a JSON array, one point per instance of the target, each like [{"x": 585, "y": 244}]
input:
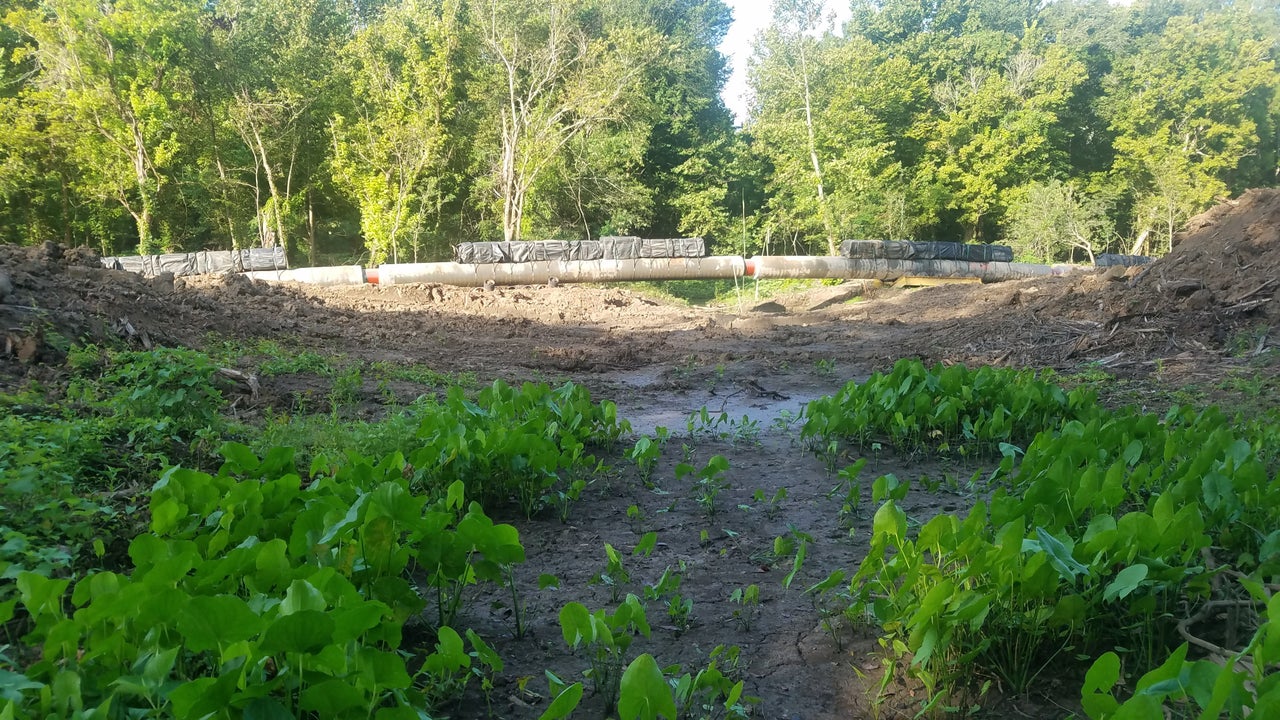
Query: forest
[{"x": 389, "y": 130}]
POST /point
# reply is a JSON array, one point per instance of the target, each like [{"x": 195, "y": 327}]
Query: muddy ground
[{"x": 1203, "y": 315}]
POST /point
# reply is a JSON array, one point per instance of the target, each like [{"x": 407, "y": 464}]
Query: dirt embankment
[{"x": 1214, "y": 294}]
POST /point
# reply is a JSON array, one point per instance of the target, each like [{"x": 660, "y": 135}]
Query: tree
[
  {"x": 114, "y": 75},
  {"x": 389, "y": 157},
  {"x": 552, "y": 75},
  {"x": 997, "y": 132},
  {"x": 1053, "y": 219},
  {"x": 786, "y": 69},
  {"x": 1186, "y": 109},
  {"x": 278, "y": 95}
]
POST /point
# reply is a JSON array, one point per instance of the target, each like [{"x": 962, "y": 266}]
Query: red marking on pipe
[
  {"x": 751, "y": 267},
  {"x": 371, "y": 276}
]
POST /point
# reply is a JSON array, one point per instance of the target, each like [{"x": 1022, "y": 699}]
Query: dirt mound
[
  {"x": 1214, "y": 296},
  {"x": 1230, "y": 255}
]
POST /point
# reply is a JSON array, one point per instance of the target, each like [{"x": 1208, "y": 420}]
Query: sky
[{"x": 749, "y": 18}]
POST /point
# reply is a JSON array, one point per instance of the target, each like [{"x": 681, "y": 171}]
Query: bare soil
[{"x": 1204, "y": 312}]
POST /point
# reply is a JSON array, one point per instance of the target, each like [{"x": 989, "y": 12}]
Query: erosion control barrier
[
  {"x": 567, "y": 271},
  {"x": 799, "y": 266},
  {"x": 605, "y": 248},
  {"x": 909, "y": 250},
  {"x": 201, "y": 263}
]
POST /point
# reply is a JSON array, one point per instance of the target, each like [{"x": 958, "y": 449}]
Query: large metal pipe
[
  {"x": 337, "y": 275},
  {"x": 567, "y": 271},
  {"x": 798, "y": 266}
]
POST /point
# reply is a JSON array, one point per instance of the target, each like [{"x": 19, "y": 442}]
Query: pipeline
[
  {"x": 708, "y": 268},
  {"x": 337, "y": 275},
  {"x": 568, "y": 271},
  {"x": 801, "y": 266}
]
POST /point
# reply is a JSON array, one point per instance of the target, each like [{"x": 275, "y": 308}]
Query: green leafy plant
[
  {"x": 849, "y": 490},
  {"x": 646, "y": 453},
  {"x": 747, "y": 600},
  {"x": 774, "y": 502},
  {"x": 709, "y": 481},
  {"x": 950, "y": 409},
  {"x": 606, "y": 638},
  {"x": 614, "y": 576}
]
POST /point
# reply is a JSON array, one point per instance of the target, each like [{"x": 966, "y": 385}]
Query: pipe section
[
  {"x": 567, "y": 271},
  {"x": 337, "y": 275},
  {"x": 797, "y": 266},
  {"x": 708, "y": 268}
]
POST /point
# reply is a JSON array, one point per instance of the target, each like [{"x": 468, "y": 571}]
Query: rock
[
  {"x": 1116, "y": 272},
  {"x": 769, "y": 307},
  {"x": 6, "y": 285}
]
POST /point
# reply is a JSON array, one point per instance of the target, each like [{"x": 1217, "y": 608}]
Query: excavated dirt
[{"x": 1210, "y": 307}]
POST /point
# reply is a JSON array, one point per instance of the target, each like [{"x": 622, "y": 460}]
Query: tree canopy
[{"x": 388, "y": 131}]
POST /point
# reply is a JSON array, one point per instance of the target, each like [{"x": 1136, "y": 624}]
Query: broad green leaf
[
  {"x": 210, "y": 622},
  {"x": 263, "y": 708},
  {"x": 12, "y": 685},
  {"x": 1060, "y": 556},
  {"x": 1126, "y": 582},
  {"x": 646, "y": 545},
  {"x": 575, "y": 624},
  {"x": 239, "y": 458},
  {"x": 890, "y": 521},
  {"x": 644, "y": 693},
  {"x": 564, "y": 704},
  {"x": 332, "y": 698},
  {"x": 305, "y": 631},
  {"x": 302, "y": 595}
]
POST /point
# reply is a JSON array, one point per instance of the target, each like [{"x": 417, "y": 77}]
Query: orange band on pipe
[{"x": 371, "y": 276}]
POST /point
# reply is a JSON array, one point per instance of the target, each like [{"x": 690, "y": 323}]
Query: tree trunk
[
  {"x": 313, "y": 253},
  {"x": 146, "y": 242},
  {"x": 824, "y": 208},
  {"x": 276, "y": 197}
]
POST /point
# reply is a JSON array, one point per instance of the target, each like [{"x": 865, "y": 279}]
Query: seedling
[
  {"x": 849, "y": 490},
  {"x": 606, "y": 637},
  {"x": 563, "y": 498},
  {"x": 747, "y": 600},
  {"x": 614, "y": 575},
  {"x": 775, "y": 503},
  {"x": 831, "y": 599},
  {"x": 646, "y": 454},
  {"x": 636, "y": 516},
  {"x": 708, "y": 481}
]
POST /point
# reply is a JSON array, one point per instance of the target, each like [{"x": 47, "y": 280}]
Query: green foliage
[
  {"x": 606, "y": 638},
  {"x": 708, "y": 482},
  {"x": 747, "y": 600},
  {"x": 614, "y": 576},
  {"x": 261, "y": 594},
  {"x": 170, "y": 390},
  {"x": 1050, "y": 221},
  {"x": 513, "y": 443},
  {"x": 950, "y": 409},
  {"x": 1090, "y": 542},
  {"x": 1239, "y": 686},
  {"x": 647, "y": 452}
]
